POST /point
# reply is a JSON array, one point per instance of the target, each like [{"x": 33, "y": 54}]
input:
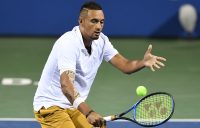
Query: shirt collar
[{"x": 78, "y": 34}]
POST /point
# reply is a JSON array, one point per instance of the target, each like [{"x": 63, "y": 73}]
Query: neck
[{"x": 87, "y": 42}]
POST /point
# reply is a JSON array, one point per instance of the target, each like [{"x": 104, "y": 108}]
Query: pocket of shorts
[{"x": 49, "y": 111}]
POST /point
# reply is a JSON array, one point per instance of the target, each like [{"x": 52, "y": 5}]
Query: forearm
[
  {"x": 132, "y": 66},
  {"x": 69, "y": 91},
  {"x": 72, "y": 94},
  {"x": 125, "y": 65}
]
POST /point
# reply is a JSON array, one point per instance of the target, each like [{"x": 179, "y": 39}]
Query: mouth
[{"x": 97, "y": 33}]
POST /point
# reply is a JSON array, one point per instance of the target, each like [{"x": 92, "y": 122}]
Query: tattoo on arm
[{"x": 71, "y": 76}]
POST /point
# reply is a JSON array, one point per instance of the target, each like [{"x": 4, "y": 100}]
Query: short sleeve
[
  {"x": 67, "y": 54},
  {"x": 108, "y": 49}
]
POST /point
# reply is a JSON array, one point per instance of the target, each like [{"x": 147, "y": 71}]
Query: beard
[{"x": 95, "y": 36}]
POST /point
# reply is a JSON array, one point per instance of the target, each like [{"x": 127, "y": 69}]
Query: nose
[{"x": 99, "y": 26}]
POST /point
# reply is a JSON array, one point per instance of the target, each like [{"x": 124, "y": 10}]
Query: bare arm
[
  {"x": 131, "y": 66},
  {"x": 125, "y": 65},
  {"x": 69, "y": 90}
]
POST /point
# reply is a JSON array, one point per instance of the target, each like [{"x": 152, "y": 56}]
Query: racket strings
[{"x": 154, "y": 109}]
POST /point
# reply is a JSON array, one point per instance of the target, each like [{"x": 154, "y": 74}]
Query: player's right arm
[{"x": 67, "y": 79}]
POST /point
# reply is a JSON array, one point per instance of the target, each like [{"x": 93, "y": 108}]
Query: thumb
[{"x": 149, "y": 49}]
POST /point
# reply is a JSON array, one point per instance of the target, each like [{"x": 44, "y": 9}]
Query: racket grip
[{"x": 109, "y": 118}]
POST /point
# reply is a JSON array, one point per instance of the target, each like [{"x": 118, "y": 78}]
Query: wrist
[
  {"x": 77, "y": 102},
  {"x": 85, "y": 109},
  {"x": 89, "y": 113}
]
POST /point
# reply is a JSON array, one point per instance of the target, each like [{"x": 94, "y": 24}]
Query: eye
[
  {"x": 102, "y": 22},
  {"x": 95, "y": 21}
]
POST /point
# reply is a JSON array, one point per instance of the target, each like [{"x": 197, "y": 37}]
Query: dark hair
[{"x": 91, "y": 5}]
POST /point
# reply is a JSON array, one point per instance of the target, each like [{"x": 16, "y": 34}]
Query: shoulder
[
  {"x": 67, "y": 36},
  {"x": 68, "y": 39},
  {"x": 103, "y": 37}
]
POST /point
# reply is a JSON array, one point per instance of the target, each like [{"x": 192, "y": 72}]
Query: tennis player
[{"x": 70, "y": 70}]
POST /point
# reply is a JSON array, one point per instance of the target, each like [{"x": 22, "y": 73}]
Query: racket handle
[{"x": 109, "y": 118}]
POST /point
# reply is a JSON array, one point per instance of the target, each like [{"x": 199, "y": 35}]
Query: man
[{"x": 70, "y": 70}]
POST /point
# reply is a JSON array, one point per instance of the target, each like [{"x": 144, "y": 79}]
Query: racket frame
[{"x": 121, "y": 115}]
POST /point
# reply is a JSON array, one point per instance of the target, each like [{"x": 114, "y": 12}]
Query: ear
[{"x": 80, "y": 20}]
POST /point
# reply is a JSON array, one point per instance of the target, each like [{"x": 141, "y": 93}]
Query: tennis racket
[{"x": 152, "y": 110}]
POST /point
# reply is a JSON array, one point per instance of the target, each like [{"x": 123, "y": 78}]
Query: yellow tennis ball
[{"x": 141, "y": 91}]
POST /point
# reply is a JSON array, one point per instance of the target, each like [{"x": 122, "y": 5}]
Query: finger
[
  {"x": 161, "y": 58},
  {"x": 155, "y": 65},
  {"x": 98, "y": 123},
  {"x": 149, "y": 48},
  {"x": 104, "y": 124},
  {"x": 160, "y": 63},
  {"x": 95, "y": 124},
  {"x": 152, "y": 69}
]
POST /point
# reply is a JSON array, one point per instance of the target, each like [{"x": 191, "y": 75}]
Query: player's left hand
[{"x": 153, "y": 61}]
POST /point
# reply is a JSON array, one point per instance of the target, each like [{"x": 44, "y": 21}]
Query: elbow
[{"x": 126, "y": 72}]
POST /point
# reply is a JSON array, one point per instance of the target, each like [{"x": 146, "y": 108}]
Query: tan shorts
[{"x": 56, "y": 117}]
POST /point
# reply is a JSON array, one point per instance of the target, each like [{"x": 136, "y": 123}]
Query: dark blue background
[
  {"x": 115, "y": 124},
  {"x": 143, "y": 18}
]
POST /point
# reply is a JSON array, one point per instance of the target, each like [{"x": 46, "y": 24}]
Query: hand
[
  {"x": 152, "y": 61},
  {"x": 95, "y": 119}
]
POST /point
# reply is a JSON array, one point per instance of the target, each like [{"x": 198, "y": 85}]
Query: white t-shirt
[{"x": 69, "y": 53}]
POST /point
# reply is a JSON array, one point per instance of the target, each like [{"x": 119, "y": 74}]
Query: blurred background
[{"x": 29, "y": 28}]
